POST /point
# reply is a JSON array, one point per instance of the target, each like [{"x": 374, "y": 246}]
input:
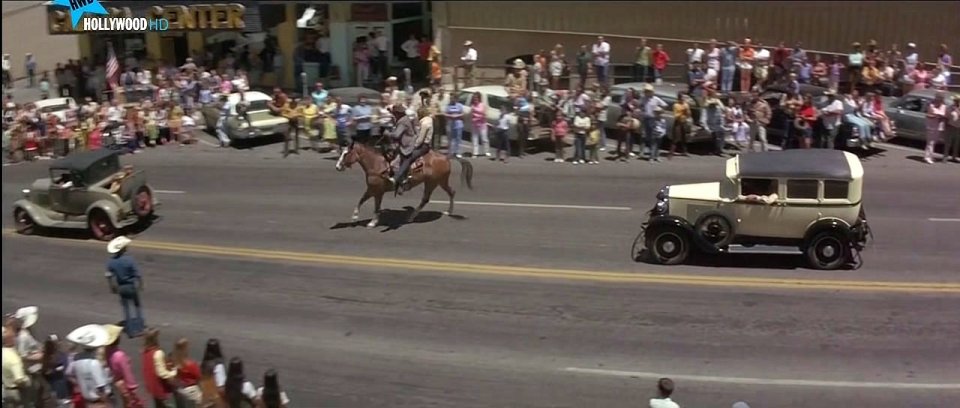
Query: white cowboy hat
[
  {"x": 519, "y": 64},
  {"x": 647, "y": 87},
  {"x": 113, "y": 332},
  {"x": 911, "y": 45},
  {"x": 28, "y": 316},
  {"x": 467, "y": 43},
  {"x": 90, "y": 336},
  {"x": 391, "y": 78},
  {"x": 11, "y": 105},
  {"x": 118, "y": 244}
]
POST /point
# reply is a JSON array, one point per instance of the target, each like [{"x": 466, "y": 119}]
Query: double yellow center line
[{"x": 544, "y": 273}]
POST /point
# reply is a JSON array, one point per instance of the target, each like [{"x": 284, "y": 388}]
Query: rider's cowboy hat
[
  {"x": 118, "y": 244},
  {"x": 467, "y": 43},
  {"x": 89, "y": 336},
  {"x": 28, "y": 316},
  {"x": 391, "y": 78},
  {"x": 911, "y": 45},
  {"x": 648, "y": 87},
  {"x": 519, "y": 64},
  {"x": 830, "y": 92},
  {"x": 113, "y": 332}
]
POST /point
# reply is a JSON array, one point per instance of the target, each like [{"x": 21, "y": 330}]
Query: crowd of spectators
[{"x": 89, "y": 368}]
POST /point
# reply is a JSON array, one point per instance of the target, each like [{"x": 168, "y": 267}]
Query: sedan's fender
[
  {"x": 827, "y": 224},
  {"x": 37, "y": 213},
  {"x": 107, "y": 206}
]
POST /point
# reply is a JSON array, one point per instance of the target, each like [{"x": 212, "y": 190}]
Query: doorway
[{"x": 360, "y": 34}]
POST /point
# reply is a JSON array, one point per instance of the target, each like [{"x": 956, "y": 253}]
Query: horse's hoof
[
  {"x": 372, "y": 224},
  {"x": 355, "y": 217},
  {"x": 447, "y": 213}
]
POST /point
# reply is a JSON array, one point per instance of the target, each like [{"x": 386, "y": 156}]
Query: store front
[{"x": 274, "y": 41}]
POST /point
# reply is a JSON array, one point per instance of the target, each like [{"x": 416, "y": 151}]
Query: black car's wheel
[
  {"x": 24, "y": 222},
  {"x": 827, "y": 250},
  {"x": 668, "y": 245},
  {"x": 715, "y": 229},
  {"x": 143, "y": 202},
  {"x": 101, "y": 226}
]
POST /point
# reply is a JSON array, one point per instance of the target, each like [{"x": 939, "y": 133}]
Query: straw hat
[
  {"x": 118, "y": 244},
  {"x": 647, "y": 87},
  {"x": 28, "y": 316},
  {"x": 113, "y": 333},
  {"x": 90, "y": 336},
  {"x": 519, "y": 64},
  {"x": 467, "y": 43}
]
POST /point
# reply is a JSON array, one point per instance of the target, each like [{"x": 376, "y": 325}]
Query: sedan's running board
[{"x": 764, "y": 249}]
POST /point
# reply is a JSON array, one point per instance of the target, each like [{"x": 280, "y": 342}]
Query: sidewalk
[{"x": 22, "y": 94}]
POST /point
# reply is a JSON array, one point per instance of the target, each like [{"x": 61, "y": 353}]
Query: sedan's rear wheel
[
  {"x": 24, "y": 222},
  {"x": 827, "y": 250},
  {"x": 143, "y": 202},
  {"x": 101, "y": 226}
]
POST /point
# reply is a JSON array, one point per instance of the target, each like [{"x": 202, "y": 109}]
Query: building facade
[
  {"x": 245, "y": 29},
  {"x": 23, "y": 34},
  {"x": 523, "y": 27}
]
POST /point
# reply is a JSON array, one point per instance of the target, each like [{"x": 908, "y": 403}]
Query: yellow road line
[{"x": 530, "y": 272}]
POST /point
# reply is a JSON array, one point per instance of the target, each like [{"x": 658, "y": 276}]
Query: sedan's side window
[
  {"x": 912, "y": 104},
  {"x": 497, "y": 102},
  {"x": 804, "y": 189},
  {"x": 756, "y": 186}
]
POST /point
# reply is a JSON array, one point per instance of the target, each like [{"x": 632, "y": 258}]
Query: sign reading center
[{"x": 181, "y": 18}]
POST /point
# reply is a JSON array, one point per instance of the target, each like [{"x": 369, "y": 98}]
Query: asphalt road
[{"x": 527, "y": 300}]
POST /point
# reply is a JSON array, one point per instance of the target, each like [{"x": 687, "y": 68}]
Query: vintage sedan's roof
[
  {"x": 798, "y": 163},
  {"x": 250, "y": 96},
  {"x": 81, "y": 161},
  {"x": 64, "y": 101}
]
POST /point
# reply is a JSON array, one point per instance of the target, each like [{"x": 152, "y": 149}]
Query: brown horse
[{"x": 434, "y": 172}]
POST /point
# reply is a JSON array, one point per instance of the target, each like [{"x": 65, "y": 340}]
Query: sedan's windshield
[
  {"x": 54, "y": 108},
  {"x": 257, "y": 106}
]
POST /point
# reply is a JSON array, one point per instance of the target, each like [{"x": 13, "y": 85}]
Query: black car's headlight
[{"x": 662, "y": 207}]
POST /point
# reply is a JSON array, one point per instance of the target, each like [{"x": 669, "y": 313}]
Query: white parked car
[
  {"x": 809, "y": 200},
  {"x": 495, "y": 99},
  {"x": 63, "y": 108},
  {"x": 264, "y": 122}
]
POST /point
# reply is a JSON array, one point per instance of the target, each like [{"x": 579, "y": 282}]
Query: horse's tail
[{"x": 466, "y": 173}]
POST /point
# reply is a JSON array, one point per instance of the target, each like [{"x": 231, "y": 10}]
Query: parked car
[
  {"x": 351, "y": 95},
  {"x": 847, "y": 137},
  {"x": 264, "y": 122},
  {"x": 495, "y": 99},
  {"x": 668, "y": 93},
  {"x": 909, "y": 112},
  {"x": 63, "y": 108},
  {"x": 809, "y": 200},
  {"x": 86, "y": 190}
]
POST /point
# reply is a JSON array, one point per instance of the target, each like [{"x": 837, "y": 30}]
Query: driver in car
[{"x": 118, "y": 179}]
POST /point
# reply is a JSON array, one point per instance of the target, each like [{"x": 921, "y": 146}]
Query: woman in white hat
[
  {"x": 125, "y": 280},
  {"x": 87, "y": 370}
]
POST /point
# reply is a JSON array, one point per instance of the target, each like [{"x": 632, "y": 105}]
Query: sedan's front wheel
[
  {"x": 24, "y": 222},
  {"x": 668, "y": 245}
]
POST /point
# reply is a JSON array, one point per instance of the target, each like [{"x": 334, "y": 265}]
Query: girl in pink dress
[
  {"x": 478, "y": 117},
  {"x": 936, "y": 124}
]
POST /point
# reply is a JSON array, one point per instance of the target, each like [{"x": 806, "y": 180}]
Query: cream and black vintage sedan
[
  {"x": 264, "y": 122},
  {"x": 804, "y": 201}
]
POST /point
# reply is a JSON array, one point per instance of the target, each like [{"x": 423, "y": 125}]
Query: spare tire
[{"x": 715, "y": 230}]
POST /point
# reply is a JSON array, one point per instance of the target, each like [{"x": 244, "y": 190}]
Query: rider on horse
[{"x": 413, "y": 143}]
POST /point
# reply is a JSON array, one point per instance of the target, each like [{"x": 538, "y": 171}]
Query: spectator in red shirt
[
  {"x": 188, "y": 372},
  {"x": 808, "y": 116},
  {"x": 660, "y": 60},
  {"x": 424, "y": 49}
]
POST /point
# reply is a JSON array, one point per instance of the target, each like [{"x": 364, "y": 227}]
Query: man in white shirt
[
  {"x": 832, "y": 114},
  {"x": 383, "y": 53},
  {"x": 469, "y": 61},
  {"x": 601, "y": 59},
  {"x": 665, "y": 389},
  {"x": 695, "y": 54},
  {"x": 761, "y": 70},
  {"x": 411, "y": 53}
]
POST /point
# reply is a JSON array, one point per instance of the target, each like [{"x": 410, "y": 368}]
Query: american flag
[{"x": 113, "y": 68}]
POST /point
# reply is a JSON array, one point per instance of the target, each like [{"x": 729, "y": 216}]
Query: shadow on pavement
[
  {"x": 742, "y": 261},
  {"x": 85, "y": 235},
  {"x": 395, "y": 219}
]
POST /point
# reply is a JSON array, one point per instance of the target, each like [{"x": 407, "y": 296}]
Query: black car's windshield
[{"x": 257, "y": 106}]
